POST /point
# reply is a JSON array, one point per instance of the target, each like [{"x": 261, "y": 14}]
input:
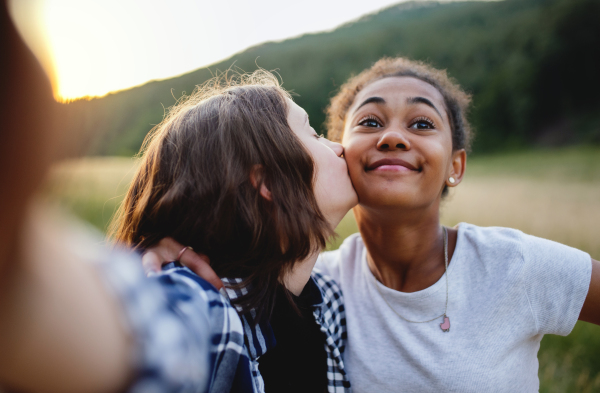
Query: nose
[
  {"x": 392, "y": 140},
  {"x": 337, "y": 148}
]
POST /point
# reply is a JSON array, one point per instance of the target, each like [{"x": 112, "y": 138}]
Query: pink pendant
[{"x": 446, "y": 325}]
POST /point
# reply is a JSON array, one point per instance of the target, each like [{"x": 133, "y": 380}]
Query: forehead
[
  {"x": 397, "y": 88},
  {"x": 295, "y": 112}
]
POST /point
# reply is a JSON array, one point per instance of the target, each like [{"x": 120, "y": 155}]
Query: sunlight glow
[{"x": 96, "y": 47}]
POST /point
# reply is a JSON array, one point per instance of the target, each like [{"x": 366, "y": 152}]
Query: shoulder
[
  {"x": 490, "y": 237},
  {"x": 493, "y": 249},
  {"x": 505, "y": 253},
  {"x": 186, "y": 281},
  {"x": 229, "y": 352},
  {"x": 186, "y": 289},
  {"x": 509, "y": 242},
  {"x": 331, "y": 317},
  {"x": 347, "y": 255},
  {"x": 172, "y": 349},
  {"x": 189, "y": 294},
  {"x": 490, "y": 254},
  {"x": 329, "y": 288},
  {"x": 331, "y": 314}
]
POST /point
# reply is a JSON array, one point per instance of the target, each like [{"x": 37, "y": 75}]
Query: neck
[
  {"x": 295, "y": 280},
  {"x": 405, "y": 249}
]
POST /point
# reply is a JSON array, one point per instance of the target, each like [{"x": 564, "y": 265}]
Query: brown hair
[
  {"x": 455, "y": 99},
  {"x": 194, "y": 185}
]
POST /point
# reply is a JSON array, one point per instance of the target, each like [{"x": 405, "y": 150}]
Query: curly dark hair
[{"x": 456, "y": 99}]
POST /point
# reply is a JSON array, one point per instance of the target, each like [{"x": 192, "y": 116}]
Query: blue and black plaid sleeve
[{"x": 168, "y": 322}]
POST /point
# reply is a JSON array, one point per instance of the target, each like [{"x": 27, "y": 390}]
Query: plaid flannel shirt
[
  {"x": 188, "y": 337},
  {"x": 169, "y": 322},
  {"x": 230, "y": 369},
  {"x": 329, "y": 314}
]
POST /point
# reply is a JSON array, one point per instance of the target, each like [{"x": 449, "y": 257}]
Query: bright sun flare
[{"x": 91, "y": 48}]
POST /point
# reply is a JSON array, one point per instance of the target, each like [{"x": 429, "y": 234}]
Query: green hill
[{"x": 531, "y": 65}]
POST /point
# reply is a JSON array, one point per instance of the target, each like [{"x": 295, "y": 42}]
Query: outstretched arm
[
  {"x": 591, "y": 307},
  {"x": 61, "y": 327},
  {"x": 60, "y": 331},
  {"x": 77, "y": 317}
]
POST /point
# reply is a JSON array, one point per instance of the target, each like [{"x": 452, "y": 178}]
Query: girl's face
[
  {"x": 333, "y": 190},
  {"x": 398, "y": 144}
]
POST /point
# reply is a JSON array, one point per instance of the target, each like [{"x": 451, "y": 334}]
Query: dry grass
[
  {"x": 566, "y": 212},
  {"x": 92, "y": 188},
  {"x": 551, "y": 194}
]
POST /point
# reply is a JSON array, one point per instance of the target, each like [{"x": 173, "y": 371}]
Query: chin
[{"x": 387, "y": 198}]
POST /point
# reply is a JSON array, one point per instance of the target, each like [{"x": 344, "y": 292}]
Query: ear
[
  {"x": 257, "y": 178},
  {"x": 457, "y": 170}
]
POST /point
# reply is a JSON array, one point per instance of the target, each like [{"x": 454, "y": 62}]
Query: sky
[{"x": 90, "y": 48}]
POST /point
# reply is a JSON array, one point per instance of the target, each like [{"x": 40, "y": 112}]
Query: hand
[
  {"x": 167, "y": 250},
  {"x": 591, "y": 307}
]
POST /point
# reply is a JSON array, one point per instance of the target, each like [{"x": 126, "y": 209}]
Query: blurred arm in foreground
[{"x": 70, "y": 322}]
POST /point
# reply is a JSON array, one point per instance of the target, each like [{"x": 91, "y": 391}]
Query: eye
[
  {"x": 370, "y": 121},
  {"x": 422, "y": 123}
]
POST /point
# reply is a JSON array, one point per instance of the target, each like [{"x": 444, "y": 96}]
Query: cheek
[
  {"x": 353, "y": 151},
  {"x": 327, "y": 165},
  {"x": 438, "y": 156},
  {"x": 356, "y": 172},
  {"x": 354, "y": 154}
]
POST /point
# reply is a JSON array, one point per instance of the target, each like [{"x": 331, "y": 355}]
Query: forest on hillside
[{"x": 532, "y": 66}]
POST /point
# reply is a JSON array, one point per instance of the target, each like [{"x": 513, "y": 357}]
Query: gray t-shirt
[{"x": 506, "y": 290}]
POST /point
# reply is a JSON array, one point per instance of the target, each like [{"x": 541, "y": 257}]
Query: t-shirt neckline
[{"x": 429, "y": 291}]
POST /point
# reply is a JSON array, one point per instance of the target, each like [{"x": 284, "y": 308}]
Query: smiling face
[
  {"x": 398, "y": 144},
  {"x": 333, "y": 190}
]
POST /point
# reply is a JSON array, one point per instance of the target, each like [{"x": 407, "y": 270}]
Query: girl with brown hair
[{"x": 237, "y": 173}]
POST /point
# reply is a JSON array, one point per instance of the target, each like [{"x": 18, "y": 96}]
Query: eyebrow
[
  {"x": 422, "y": 100},
  {"x": 376, "y": 100}
]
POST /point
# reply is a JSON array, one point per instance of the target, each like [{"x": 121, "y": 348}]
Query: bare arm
[
  {"x": 591, "y": 307},
  {"x": 59, "y": 329}
]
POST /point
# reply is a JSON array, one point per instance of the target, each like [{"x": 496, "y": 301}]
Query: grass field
[{"x": 553, "y": 194}]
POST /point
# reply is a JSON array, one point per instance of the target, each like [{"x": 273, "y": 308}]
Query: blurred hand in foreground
[{"x": 169, "y": 250}]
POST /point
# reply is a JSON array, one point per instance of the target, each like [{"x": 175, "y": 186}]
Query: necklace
[{"x": 445, "y": 325}]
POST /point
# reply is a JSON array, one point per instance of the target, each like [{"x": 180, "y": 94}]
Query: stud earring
[{"x": 451, "y": 180}]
